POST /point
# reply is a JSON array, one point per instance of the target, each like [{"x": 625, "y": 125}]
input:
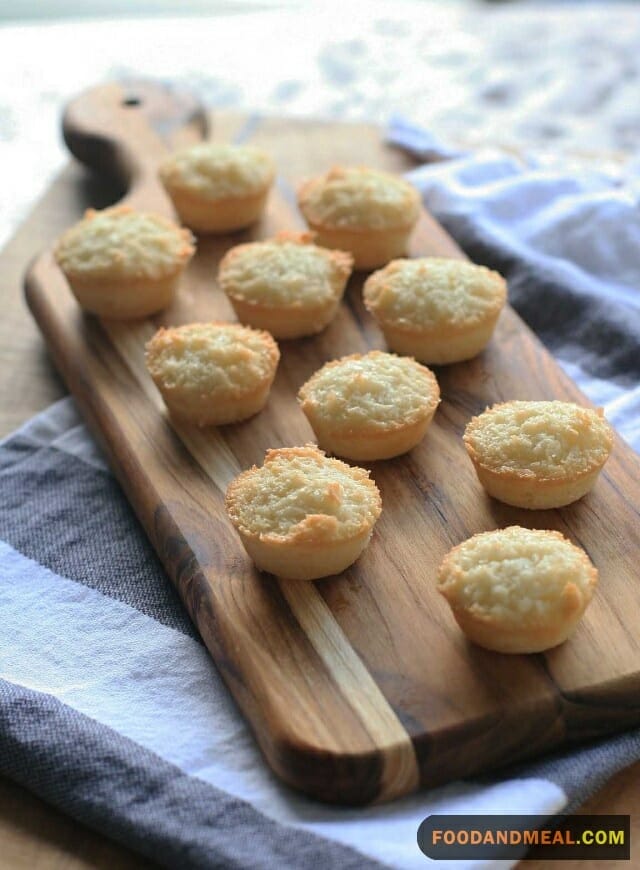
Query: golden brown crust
[
  {"x": 339, "y": 265},
  {"x": 358, "y": 199},
  {"x": 223, "y": 215},
  {"x": 435, "y": 309},
  {"x": 212, "y": 373},
  {"x": 218, "y": 188},
  {"x": 218, "y": 172},
  {"x": 314, "y": 530},
  {"x": 373, "y": 429},
  {"x": 286, "y": 284},
  {"x": 119, "y": 249},
  {"x": 433, "y": 276},
  {"x": 167, "y": 337},
  {"x": 525, "y": 474},
  {"x": 589, "y": 461},
  {"x": 488, "y": 579}
]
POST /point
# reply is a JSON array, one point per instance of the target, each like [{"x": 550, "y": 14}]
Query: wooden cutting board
[{"x": 359, "y": 687}]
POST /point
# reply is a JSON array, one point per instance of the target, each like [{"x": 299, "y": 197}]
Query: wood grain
[
  {"x": 35, "y": 836},
  {"x": 294, "y": 659}
]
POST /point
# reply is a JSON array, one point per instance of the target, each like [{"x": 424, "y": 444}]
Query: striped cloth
[{"x": 110, "y": 707}]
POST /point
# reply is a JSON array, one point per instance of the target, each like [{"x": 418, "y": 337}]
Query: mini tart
[
  {"x": 287, "y": 284},
  {"x": 210, "y": 374},
  {"x": 436, "y": 310},
  {"x": 122, "y": 263},
  {"x": 538, "y": 454},
  {"x": 361, "y": 210},
  {"x": 303, "y": 515},
  {"x": 370, "y": 406},
  {"x": 218, "y": 188},
  {"x": 517, "y": 590}
]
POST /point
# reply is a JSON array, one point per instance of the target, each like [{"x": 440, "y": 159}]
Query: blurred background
[{"x": 558, "y": 79}]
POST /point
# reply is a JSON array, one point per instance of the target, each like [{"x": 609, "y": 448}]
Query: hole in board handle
[{"x": 131, "y": 101}]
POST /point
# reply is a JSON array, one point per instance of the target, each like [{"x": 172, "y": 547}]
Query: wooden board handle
[{"x": 123, "y": 131}]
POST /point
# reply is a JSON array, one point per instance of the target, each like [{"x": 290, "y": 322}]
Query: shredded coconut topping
[
  {"x": 376, "y": 388},
  {"x": 359, "y": 197},
  {"x": 212, "y": 358},
  {"x": 300, "y": 494},
  {"x": 431, "y": 291},
  {"x": 217, "y": 171},
  {"x": 119, "y": 242},
  {"x": 517, "y": 575},
  {"x": 286, "y": 270},
  {"x": 548, "y": 439}
]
